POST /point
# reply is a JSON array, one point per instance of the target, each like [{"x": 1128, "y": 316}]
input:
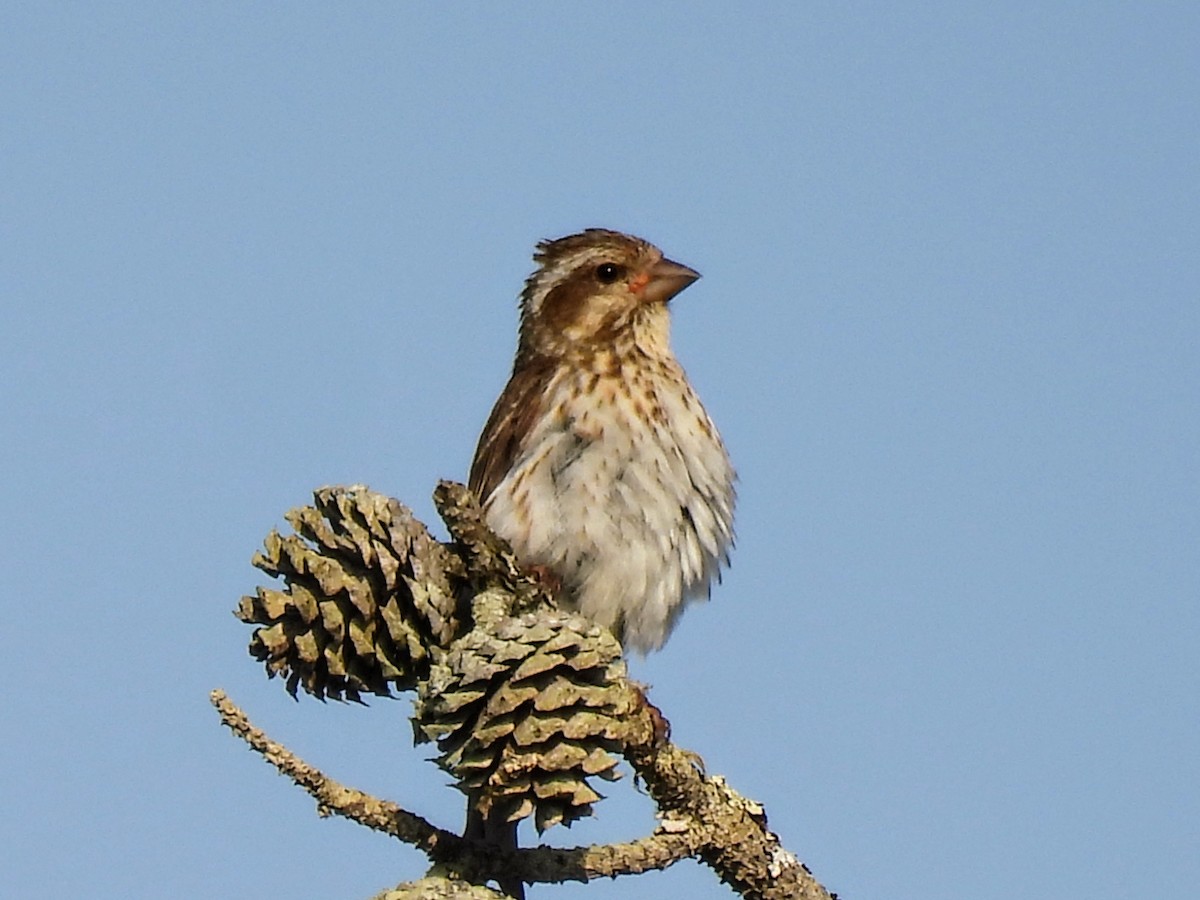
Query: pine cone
[
  {"x": 369, "y": 594},
  {"x": 525, "y": 712}
]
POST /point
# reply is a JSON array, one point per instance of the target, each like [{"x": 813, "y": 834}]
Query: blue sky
[{"x": 948, "y": 326}]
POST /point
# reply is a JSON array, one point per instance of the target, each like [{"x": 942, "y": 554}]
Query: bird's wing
[{"x": 508, "y": 428}]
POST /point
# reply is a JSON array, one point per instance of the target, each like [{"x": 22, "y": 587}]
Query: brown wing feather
[{"x": 504, "y": 436}]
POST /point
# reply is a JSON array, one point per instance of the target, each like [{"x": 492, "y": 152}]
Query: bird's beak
[{"x": 667, "y": 278}]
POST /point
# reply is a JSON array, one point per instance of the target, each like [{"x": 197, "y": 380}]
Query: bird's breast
[{"x": 625, "y": 491}]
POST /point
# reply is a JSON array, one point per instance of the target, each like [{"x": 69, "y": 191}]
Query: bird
[{"x": 598, "y": 463}]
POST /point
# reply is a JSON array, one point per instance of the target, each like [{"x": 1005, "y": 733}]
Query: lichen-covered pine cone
[
  {"x": 525, "y": 712},
  {"x": 368, "y": 596}
]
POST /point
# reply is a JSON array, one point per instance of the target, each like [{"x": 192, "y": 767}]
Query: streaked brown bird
[{"x": 598, "y": 462}]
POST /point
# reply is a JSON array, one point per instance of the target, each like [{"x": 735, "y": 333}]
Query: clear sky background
[{"x": 948, "y": 326}]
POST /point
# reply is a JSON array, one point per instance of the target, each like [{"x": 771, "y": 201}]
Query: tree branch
[
  {"x": 332, "y": 797},
  {"x": 461, "y": 857},
  {"x": 730, "y": 829}
]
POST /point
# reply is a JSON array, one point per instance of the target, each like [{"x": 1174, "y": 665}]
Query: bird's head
[{"x": 598, "y": 290}]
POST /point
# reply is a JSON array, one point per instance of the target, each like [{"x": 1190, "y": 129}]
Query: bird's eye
[{"x": 607, "y": 273}]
